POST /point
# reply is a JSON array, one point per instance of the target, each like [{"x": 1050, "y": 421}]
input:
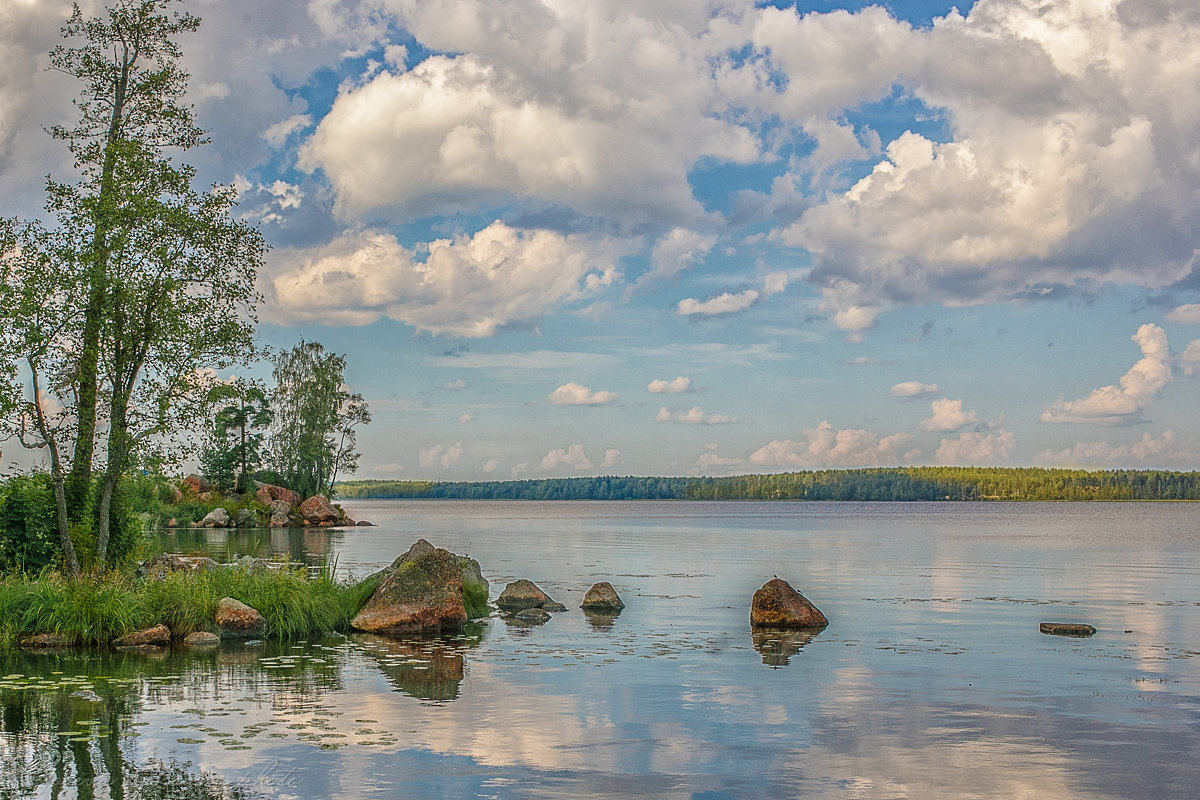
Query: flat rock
[
  {"x": 421, "y": 594},
  {"x": 201, "y": 639},
  {"x": 522, "y": 594},
  {"x": 1066, "y": 629},
  {"x": 554, "y": 608},
  {"x": 362, "y": 523},
  {"x": 602, "y": 597},
  {"x": 238, "y": 620},
  {"x": 46, "y": 641},
  {"x": 778, "y": 605},
  {"x": 158, "y": 636},
  {"x": 165, "y": 563}
]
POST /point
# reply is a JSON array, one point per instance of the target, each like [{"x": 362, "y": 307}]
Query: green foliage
[
  {"x": 234, "y": 449},
  {"x": 313, "y": 435},
  {"x": 911, "y": 483},
  {"x": 475, "y": 600},
  {"x": 28, "y": 536}
]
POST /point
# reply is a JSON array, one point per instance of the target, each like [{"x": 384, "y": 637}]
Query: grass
[{"x": 95, "y": 610}]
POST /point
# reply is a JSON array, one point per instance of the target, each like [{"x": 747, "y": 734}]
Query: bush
[{"x": 28, "y": 524}]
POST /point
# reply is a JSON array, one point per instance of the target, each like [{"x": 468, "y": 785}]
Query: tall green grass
[{"x": 96, "y": 610}]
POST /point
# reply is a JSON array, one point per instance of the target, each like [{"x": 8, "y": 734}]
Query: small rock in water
[
  {"x": 158, "y": 636},
  {"x": 602, "y": 597},
  {"x": 778, "y": 605},
  {"x": 554, "y": 608},
  {"x": 532, "y": 615},
  {"x": 88, "y": 695},
  {"x": 521, "y": 594},
  {"x": 1066, "y": 629}
]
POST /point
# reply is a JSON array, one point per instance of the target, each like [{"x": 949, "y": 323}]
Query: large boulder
[
  {"x": 165, "y": 563},
  {"x": 421, "y": 594},
  {"x": 268, "y": 494},
  {"x": 197, "y": 485},
  {"x": 602, "y": 597},
  {"x": 217, "y": 518},
  {"x": 158, "y": 636},
  {"x": 778, "y": 605},
  {"x": 236, "y": 620},
  {"x": 317, "y": 509},
  {"x": 522, "y": 594},
  {"x": 246, "y": 518}
]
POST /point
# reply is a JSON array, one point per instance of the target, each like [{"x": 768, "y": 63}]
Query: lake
[{"x": 931, "y": 681}]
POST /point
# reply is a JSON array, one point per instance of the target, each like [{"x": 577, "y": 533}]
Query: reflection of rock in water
[
  {"x": 778, "y": 645},
  {"x": 428, "y": 668},
  {"x": 600, "y": 621}
]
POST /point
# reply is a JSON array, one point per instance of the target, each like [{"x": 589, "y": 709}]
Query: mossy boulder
[
  {"x": 421, "y": 594},
  {"x": 158, "y": 636},
  {"x": 237, "y": 620},
  {"x": 474, "y": 586}
]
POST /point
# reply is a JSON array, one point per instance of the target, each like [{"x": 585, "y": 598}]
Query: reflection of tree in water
[
  {"x": 101, "y": 713},
  {"x": 778, "y": 645},
  {"x": 305, "y": 545},
  {"x": 428, "y": 668}
]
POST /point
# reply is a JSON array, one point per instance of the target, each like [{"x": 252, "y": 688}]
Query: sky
[{"x": 705, "y": 237}]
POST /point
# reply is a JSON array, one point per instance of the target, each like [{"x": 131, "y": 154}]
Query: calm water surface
[{"x": 932, "y": 680}]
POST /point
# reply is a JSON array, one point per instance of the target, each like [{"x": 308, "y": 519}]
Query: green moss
[{"x": 475, "y": 599}]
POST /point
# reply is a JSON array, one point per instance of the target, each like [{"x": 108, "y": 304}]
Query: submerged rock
[
  {"x": 237, "y": 620},
  {"x": 1066, "y": 629},
  {"x": 158, "y": 636},
  {"x": 201, "y": 639},
  {"x": 602, "y": 597},
  {"x": 418, "y": 594},
  {"x": 536, "y": 615},
  {"x": 164, "y": 563},
  {"x": 554, "y": 608},
  {"x": 362, "y": 523},
  {"x": 522, "y": 594},
  {"x": 778, "y": 605}
]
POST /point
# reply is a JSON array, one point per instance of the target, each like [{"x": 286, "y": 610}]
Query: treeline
[{"x": 899, "y": 484}]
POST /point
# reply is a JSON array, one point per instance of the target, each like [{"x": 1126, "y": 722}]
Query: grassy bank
[{"x": 96, "y": 610}]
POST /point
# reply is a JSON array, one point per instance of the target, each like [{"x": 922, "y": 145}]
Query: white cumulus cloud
[
  {"x": 1124, "y": 404},
  {"x": 1164, "y": 449},
  {"x": 573, "y": 394},
  {"x": 823, "y": 446},
  {"x": 975, "y": 447},
  {"x": 1187, "y": 314},
  {"x": 471, "y": 285},
  {"x": 726, "y": 303},
  {"x": 1189, "y": 359},
  {"x": 914, "y": 389},
  {"x": 444, "y": 456},
  {"x": 679, "y": 385},
  {"x": 693, "y": 416},
  {"x": 948, "y": 415},
  {"x": 573, "y": 457}
]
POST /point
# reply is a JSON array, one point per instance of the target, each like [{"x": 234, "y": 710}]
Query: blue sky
[{"x": 679, "y": 237}]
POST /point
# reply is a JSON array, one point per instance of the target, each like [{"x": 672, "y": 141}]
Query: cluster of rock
[{"x": 284, "y": 508}]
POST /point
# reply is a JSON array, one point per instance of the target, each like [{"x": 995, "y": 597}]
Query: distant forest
[{"x": 901, "y": 483}]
